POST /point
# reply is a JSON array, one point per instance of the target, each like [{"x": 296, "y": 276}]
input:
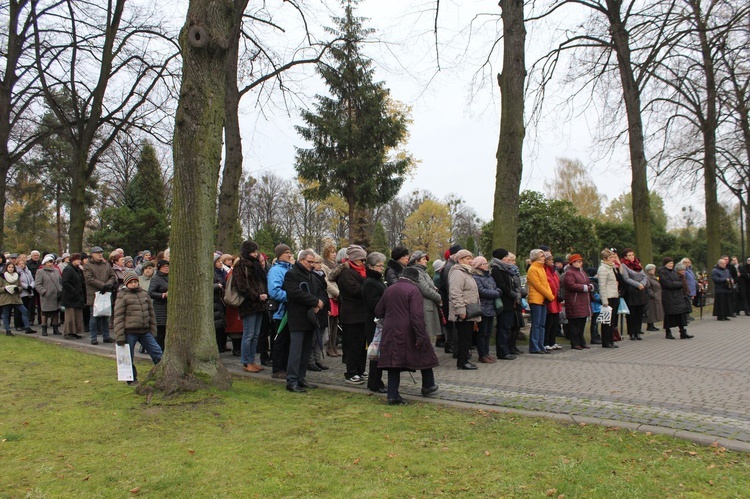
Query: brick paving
[{"x": 696, "y": 389}]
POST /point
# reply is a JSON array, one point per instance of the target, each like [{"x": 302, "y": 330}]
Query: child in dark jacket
[{"x": 135, "y": 320}]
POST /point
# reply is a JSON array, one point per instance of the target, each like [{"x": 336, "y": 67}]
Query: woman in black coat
[
  {"x": 372, "y": 290},
  {"x": 675, "y": 298},
  {"x": 73, "y": 298},
  {"x": 157, "y": 290},
  {"x": 220, "y": 310},
  {"x": 405, "y": 345},
  {"x": 723, "y": 289}
]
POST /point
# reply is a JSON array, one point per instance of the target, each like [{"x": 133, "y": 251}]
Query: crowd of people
[{"x": 290, "y": 314}]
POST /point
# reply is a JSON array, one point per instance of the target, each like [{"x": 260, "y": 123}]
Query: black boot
[
  {"x": 651, "y": 327},
  {"x": 684, "y": 335},
  {"x": 44, "y": 330},
  {"x": 440, "y": 341},
  {"x": 669, "y": 335},
  {"x": 56, "y": 330}
]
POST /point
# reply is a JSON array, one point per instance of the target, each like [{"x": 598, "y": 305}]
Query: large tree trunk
[
  {"x": 229, "y": 196},
  {"x": 512, "y": 130},
  {"x": 191, "y": 360},
  {"x": 78, "y": 202},
  {"x": 709, "y": 126},
  {"x": 3, "y": 200},
  {"x": 638, "y": 165}
]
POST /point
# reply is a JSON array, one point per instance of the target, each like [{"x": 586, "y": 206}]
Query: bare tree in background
[
  {"x": 572, "y": 182},
  {"x": 110, "y": 64},
  {"x": 20, "y": 96},
  {"x": 690, "y": 96},
  {"x": 263, "y": 68}
]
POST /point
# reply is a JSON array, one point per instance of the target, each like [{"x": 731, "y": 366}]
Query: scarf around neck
[
  {"x": 359, "y": 270},
  {"x": 635, "y": 265},
  {"x": 11, "y": 278}
]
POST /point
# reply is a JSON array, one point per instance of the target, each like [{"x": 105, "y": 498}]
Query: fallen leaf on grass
[
  {"x": 135, "y": 490},
  {"x": 551, "y": 492},
  {"x": 191, "y": 451},
  {"x": 472, "y": 422},
  {"x": 649, "y": 433},
  {"x": 392, "y": 454},
  {"x": 5, "y": 440},
  {"x": 692, "y": 453},
  {"x": 69, "y": 465},
  {"x": 486, "y": 453},
  {"x": 356, "y": 461},
  {"x": 561, "y": 496},
  {"x": 581, "y": 424},
  {"x": 26, "y": 423},
  {"x": 86, "y": 479},
  {"x": 710, "y": 467},
  {"x": 710, "y": 482},
  {"x": 386, "y": 415},
  {"x": 87, "y": 381}
]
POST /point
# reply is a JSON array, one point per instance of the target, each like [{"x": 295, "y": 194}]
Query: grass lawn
[{"x": 69, "y": 429}]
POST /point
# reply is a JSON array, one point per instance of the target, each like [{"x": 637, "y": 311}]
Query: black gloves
[
  {"x": 106, "y": 288},
  {"x": 121, "y": 343}
]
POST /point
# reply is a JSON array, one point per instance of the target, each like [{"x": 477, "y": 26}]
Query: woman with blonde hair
[
  {"x": 609, "y": 293},
  {"x": 539, "y": 294},
  {"x": 463, "y": 293}
]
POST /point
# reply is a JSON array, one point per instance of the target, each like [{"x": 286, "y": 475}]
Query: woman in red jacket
[{"x": 554, "y": 307}]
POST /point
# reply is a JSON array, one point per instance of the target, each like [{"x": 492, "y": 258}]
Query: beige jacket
[{"x": 463, "y": 290}]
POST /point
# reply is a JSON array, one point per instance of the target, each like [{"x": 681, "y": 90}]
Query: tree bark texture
[
  {"x": 709, "y": 126},
  {"x": 191, "y": 360},
  {"x": 512, "y": 129},
  {"x": 229, "y": 195},
  {"x": 638, "y": 164}
]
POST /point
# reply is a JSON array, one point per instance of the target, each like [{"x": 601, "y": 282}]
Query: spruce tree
[{"x": 353, "y": 132}]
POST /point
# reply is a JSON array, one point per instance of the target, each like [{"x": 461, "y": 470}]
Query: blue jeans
[
  {"x": 147, "y": 341},
  {"x": 250, "y": 332},
  {"x": 536, "y": 335},
  {"x": 97, "y": 324},
  {"x": 20, "y": 309}
]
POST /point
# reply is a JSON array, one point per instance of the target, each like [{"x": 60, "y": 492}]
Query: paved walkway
[{"x": 697, "y": 389}]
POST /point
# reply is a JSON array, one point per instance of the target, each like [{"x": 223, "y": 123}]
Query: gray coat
[
  {"x": 655, "y": 307},
  {"x": 431, "y": 301},
  {"x": 49, "y": 287}
]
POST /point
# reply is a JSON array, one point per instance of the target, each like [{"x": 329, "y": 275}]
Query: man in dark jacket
[
  {"x": 33, "y": 264},
  {"x": 303, "y": 302}
]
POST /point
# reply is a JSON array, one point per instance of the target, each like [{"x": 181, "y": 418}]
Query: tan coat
[
  {"x": 97, "y": 275},
  {"x": 462, "y": 290},
  {"x": 9, "y": 298},
  {"x": 134, "y": 312}
]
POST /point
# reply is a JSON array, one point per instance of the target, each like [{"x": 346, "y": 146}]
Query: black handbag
[{"x": 473, "y": 310}]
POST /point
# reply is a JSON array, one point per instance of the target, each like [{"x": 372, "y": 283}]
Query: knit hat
[
  {"x": 250, "y": 247},
  {"x": 128, "y": 259},
  {"x": 437, "y": 265},
  {"x": 162, "y": 263},
  {"x": 416, "y": 256},
  {"x": 146, "y": 252},
  {"x": 500, "y": 253},
  {"x": 478, "y": 262},
  {"x": 355, "y": 253},
  {"x": 454, "y": 249},
  {"x": 410, "y": 273},
  {"x": 666, "y": 260},
  {"x": 147, "y": 263},
  {"x": 461, "y": 254},
  {"x": 75, "y": 256},
  {"x": 64, "y": 256},
  {"x": 544, "y": 247},
  {"x": 559, "y": 259},
  {"x": 49, "y": 258},
  {"x": 547, "y": 255},
  {"x": 84, "y": 256},
  {"x": 128, "y": 276},
  {"x": 97, "y": 249},
  {"x": 574, "y": 258},
  {"x": 217, "y": 255},
  {"x": 280, "y": 250}
]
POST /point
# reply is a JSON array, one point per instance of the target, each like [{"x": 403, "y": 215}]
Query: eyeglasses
[
  {"x": 311, "y": 262},
  {"x": 379, "y": 266}
]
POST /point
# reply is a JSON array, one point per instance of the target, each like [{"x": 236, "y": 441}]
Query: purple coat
[
  {"x": 405, "y": 343},
  {"x": 577, "y": 301}
]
